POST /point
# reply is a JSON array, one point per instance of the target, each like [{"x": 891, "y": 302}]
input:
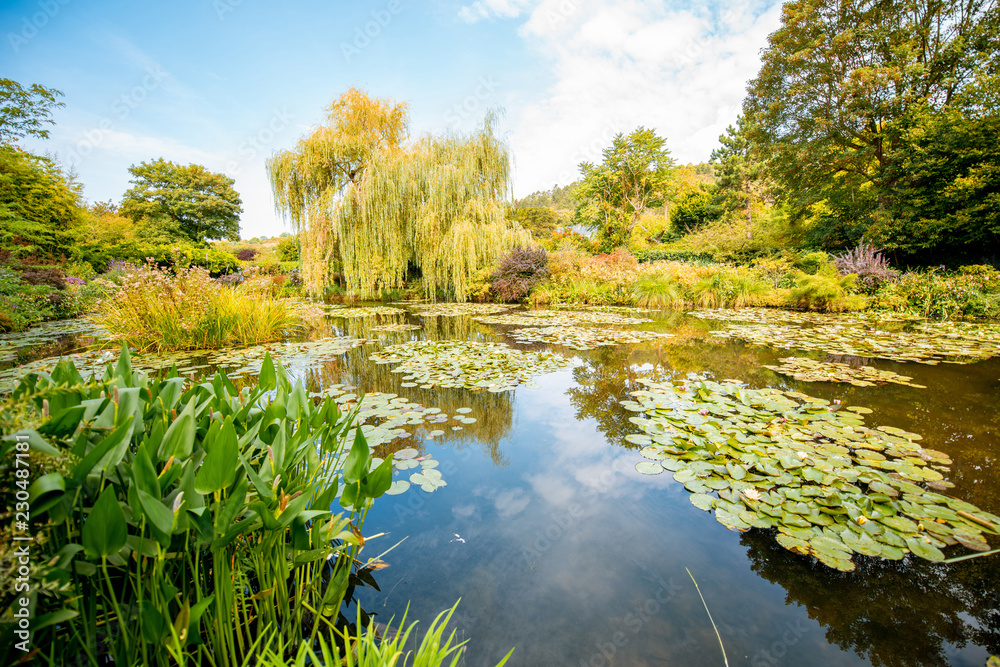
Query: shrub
[
  {"x": 520, "y": 271},
  {"x": 288, "y": 249},
  {"x": 81, "y": 270},
  {"x": 826, "y": 290},
  {"x": 246, "y": 254},
  {"x": 811, "y": 262},
  {"x": 868, "y": 264},
  {"x": 155, "y": 309},
  {"x": 21, "y": 304},
  {"x": 51, "y": 276}
]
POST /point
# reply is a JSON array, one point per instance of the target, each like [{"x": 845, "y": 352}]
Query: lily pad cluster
[
  {"x": 767, "y": 315},
  {"x": 494, "y": 367},
  {"x": 917, "y": 346},
  {"x": 548, "y": 318},
  {"x": 366, "y": 311},
  {"x": 831, "y": 486},
  {"x": 236, "y": 362},
  {"x": 47, "y": 333},
  {"x": 810, "y": 370},
  {"x": 986, "y": 333},
  {"x": 582, "y": 338},
  {"x": 457, "y": 309},
  {"x": 425, "y": 472}
]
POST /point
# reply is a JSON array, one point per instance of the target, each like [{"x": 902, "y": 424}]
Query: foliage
[
  {"x": 25, "y": 113},
  {"x": 199, "y": 204},
  {"x": 694, "y": 210},
  {"x": 519, "y": 272},
  {"x": 733, "y": 288},
  {"x": 541, "y": 221},
  {"x": 288, "y": 249},
  {"x": 558, "y": 198},
  {"x": 868, "y": 264},
  {"x": 153, "y": 308},
  {"x": 658, "y": 291},
  {"x": 434, "y": 208},
  {"x": 184, "y": 523},
  {"x": 839, "y": 87},
  {"x": 39, "y": 205},
  {"x": 634, "y": 177},
  {"x": 212, "y": 260},
  {"x": 49, "y": 275},
  {"x": 246, "y": 254},
  {"x": 826, "y": 290},
  {"x": 971, "y": 292},
  {"x": 811, "y": 262},
  {"x": 946, "y": 188},
  {"x": 740, "y": 172},
  {"x": 660, "y": 254}
]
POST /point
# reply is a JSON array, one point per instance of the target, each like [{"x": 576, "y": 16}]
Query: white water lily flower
[{"x": 751, "y": 494}]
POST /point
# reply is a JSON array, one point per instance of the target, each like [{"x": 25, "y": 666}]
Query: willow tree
[{"x": 372, "y": 204}]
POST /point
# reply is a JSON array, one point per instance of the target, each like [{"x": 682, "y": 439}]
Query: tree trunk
[{"x": 749, "y": 218}]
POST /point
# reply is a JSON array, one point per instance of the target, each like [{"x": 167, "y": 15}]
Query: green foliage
[
  {"x": 39, "y": 205},
  {"x": 197, "y": 203},
  {"x": 25, "y": 113},
  {"x": 22, "y": 304},
  {"x": 181, "y": 254},
  {"x": 288, "y": 249},
  {"x": 740, "y": 173},
  {"x": 634, "y": 177},
  {"x": 152, "y": 308},
  {"x": 658, "y": 291},
  {"x": 971, "y": 292},
  {"x": 184, "y": 523},
  {"x": 811, "y": 262},
  {"x": 840, "y": 107},
  {"x": 658, "y": 254},
  {"x": 826, "y": 290},
  {"x": 732, "y": 288},
  {"x": 558, "y": 198},
  {"x": 433, "y": 210},
  {"x": 695, "y": 210},
  {"x": 539, "y": 220}
]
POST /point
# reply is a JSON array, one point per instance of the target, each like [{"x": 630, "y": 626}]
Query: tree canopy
[
  {"x": 382, "y": 210},
  {"x": 739, "y": 172},
  {"x": 25, "y": 112},
  {"x": 634, "y": 177},
  {"x": 843, "y": 87},
  {"x": 186, "y": 200}
]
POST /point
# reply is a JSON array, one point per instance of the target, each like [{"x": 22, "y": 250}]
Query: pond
[{"x": 528, "y": 505}]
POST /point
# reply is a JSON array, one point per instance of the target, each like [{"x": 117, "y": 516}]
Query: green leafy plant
[
  {"x": 658, "y": 291},
  {"x": 826, "y": 290},
  {"x": 185, "y": 523}
]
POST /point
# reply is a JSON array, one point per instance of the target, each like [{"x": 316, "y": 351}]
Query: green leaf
[
  {"x": 102, "y": 452},
  {"x": 218, "y": 470},
  {"x": 105, "y": 531},
  {"x": 378, "y": 481},
  {"x": 46, "y": 491},
  {"x": 263, "y": 489},
  {"x": 158, "y": 514},
  {"x": 356, "y": 464},
  {"x": 144, "y": 473},
  {"x": 266, "y": 377},
  {"x": 178, "y": 441},
  {"x": 62, "y": 424}
]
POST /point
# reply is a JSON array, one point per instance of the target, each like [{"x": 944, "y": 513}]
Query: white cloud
[{"x": 618, "y": 66}]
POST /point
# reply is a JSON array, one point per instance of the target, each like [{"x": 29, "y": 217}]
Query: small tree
[
  {"x": 740, "y": 174},
  {"x": 634, "y": 177},
  {"x": 25, "y": 112},
  {"x": 199, "y": 204}
]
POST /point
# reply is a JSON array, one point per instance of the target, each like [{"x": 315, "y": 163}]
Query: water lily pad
[
  {"x": 397, "y": 487},
  {"x": 649, "y": 467},
  {"x": 810, "y": 370}
]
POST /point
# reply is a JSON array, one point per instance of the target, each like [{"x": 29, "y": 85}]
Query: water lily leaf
[{"x": 649, "y": 467}]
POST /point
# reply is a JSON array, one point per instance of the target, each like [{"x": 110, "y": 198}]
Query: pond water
[{"x": 557, "y": 546}]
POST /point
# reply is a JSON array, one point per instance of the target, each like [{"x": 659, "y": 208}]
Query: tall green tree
[
  {"x": 382, "y": 210},
  {"x": 25, "y": 112},
  {"x": 739, "y": 173},
  {"x": 839, "y": 83},
  {"x": 635, "y": 176},
  {"x": 196, "y": 203}
]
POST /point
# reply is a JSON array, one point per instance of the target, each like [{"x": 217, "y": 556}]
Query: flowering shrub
[
  {"x": 869, "y": 265},
  {"x": 973, "y": 291}
]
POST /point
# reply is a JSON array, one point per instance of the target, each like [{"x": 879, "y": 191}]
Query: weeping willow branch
[{"x": 379, "y": 209}]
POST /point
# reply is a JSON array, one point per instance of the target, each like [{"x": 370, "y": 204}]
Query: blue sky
[{"x": 224, "y": 83}]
